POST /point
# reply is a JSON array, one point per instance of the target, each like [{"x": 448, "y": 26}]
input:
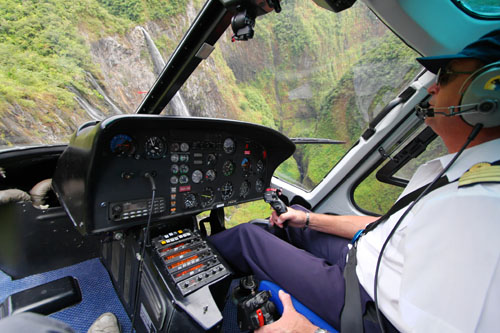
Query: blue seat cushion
[{"x": 301, "y": 308}]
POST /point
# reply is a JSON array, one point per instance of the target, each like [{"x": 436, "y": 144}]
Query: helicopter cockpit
[{"x": 120, "y": 206}]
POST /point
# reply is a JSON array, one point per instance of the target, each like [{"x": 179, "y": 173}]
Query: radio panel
[{"x": 126, "y": 210}]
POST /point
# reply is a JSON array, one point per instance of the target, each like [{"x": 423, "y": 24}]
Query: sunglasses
[{"x": 445, "y": 75}]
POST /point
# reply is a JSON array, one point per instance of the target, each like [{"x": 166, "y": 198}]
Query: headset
[{"x": 480, "y": 101}]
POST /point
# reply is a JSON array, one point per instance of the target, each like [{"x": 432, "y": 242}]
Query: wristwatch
[
  {"x": 306, "y": 225},
  {"x": 321, "y": 330}
]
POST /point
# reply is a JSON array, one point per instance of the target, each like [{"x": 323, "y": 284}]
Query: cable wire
[{"x": 143, "y": 250}]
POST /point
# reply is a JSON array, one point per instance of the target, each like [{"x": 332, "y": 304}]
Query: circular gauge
[
  {"x": 207, "y": 197},
  {"x": 226, "y": 190},
  {"x": 190, "y": 201},
  {"x": 155, "y": 147},
  {"x": 245, "y": 165},
  {"x": 174, "y": 180},
  {"x": 197, "y": 176},
  {"x": 183, "y": 179},
  {"x": 184, "y": 158},
  {"x": 174, "y": 158},
  {"x": 184, "y": 168},
  {"x": 174, "y": 146},
  {"x": 229, "y": 146},
  {"x": 210, "y": 175},
  {"x": 259, "y": 185},
  {"x": 175, "y": 169},
  {"x": 211, "y": 160},
  {"x": 122, "y": 145},
  {"x": 259, "y": 167},
  {"x": 244, "y": 189},
  {"x": 184, "y": 147},
  {"x": 228, "y": 168}
]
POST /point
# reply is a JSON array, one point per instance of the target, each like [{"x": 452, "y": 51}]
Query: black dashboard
[{"x": 197, "y": 164}]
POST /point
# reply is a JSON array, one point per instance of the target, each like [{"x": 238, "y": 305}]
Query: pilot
[{"x": 440, "y": 270}]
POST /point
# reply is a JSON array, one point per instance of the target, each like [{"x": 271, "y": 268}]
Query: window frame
[
  {"x": 411, "y": 150},
  {"x": 422, "y": 138},
  {"x": 463, "y": 7}
]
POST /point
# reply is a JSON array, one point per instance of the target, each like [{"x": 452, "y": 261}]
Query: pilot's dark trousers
[{"x": 311, "y": 269}]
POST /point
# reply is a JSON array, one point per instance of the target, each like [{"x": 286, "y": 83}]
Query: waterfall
[
  {"x": 158, "y": 62},
  {"x": 91, "y": 111},
  {"x": 99, "y": 89},
  {"x": 179, "y": 106},
  {"x": 177, "y": 102}
]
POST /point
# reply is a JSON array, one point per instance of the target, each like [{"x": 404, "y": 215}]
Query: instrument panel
[
  {"x": 198, "y": 171},
  {"x": 196, "y": 164}
]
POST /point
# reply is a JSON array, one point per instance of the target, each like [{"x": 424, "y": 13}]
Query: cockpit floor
[{"x": 98, "y": 294}]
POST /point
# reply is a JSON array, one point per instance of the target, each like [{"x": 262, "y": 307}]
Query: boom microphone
[{"x": 423, "y": 110}]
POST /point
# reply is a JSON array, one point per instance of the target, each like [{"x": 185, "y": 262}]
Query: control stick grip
[{"x": 271, "y": 196}]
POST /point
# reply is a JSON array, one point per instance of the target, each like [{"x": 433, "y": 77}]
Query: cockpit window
[
  {"x": 480, "y": 8},
  {"x": 309, "y": 73}
]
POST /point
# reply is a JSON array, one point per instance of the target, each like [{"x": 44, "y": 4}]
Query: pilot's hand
[
  {"x": 296, "y": 218},
  {"x": 290, "y": 322}
]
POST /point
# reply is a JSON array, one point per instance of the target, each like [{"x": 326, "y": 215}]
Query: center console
[{"x": 184, "y": 281}]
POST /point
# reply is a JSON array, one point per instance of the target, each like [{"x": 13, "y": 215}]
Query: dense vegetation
[{"x": 45, "y": 54}]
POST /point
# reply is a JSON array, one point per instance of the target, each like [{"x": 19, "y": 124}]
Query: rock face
[
  {"x": 130, "y": 64},
  {"x": 126, "y": 68}
]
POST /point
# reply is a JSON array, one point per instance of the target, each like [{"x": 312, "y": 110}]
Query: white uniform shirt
[{"x": 440, "y": 271}]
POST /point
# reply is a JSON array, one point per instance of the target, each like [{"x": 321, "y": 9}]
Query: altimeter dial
[{"x": 155, "y": 147}]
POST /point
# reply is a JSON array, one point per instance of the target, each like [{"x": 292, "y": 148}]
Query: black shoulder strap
[{"x": 351, "y": 317}]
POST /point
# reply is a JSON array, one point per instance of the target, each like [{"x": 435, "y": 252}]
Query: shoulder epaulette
[{"x": 480, "y": 173}]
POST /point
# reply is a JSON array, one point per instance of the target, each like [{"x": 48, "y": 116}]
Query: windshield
[{"x": 307, "y": 72}]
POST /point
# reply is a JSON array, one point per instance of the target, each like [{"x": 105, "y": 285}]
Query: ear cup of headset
[{"x": 484, "y": 90}]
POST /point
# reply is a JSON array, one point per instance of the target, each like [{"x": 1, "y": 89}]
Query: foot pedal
[{"x": 43, "y": 299}]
